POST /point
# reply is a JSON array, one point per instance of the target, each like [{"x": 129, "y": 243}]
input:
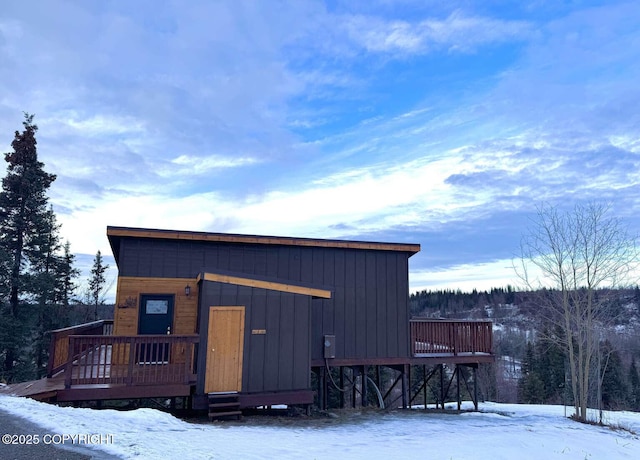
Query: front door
[
  {"x": 156, "y": 317},
  {"x": 225, "y": 346}
]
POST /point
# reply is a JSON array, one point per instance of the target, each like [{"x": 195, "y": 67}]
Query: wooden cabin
[{"x": 207, "y": 315}]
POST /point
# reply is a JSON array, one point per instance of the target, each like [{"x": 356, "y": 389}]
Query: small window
[{"x": 157, "y": 307}]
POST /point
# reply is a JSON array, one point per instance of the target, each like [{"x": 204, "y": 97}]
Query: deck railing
[
  {"x": 59, "y": 345},
  {"x": 130, "y": 360},
  {"x": 436, "y": 337}
]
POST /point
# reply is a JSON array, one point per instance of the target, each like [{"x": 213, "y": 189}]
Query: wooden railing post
[
  {"x": 69, "y": 365},
  {"x": 132, "y": 357},
  {"x": 187, "y": 362}
]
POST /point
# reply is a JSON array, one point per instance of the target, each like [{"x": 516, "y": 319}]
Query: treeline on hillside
[
  {"x": 449, "y": 303},
  {"x": 479, "y": 304},
  {"x": 532, "y": 365},
  {"x": 38, "y": 278}
]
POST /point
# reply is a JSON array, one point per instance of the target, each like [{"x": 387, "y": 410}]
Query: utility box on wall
[{"x": 329, "y": 346}]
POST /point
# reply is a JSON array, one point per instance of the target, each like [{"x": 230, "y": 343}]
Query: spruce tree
[
  {"x": 24, "y": 218},
  {"x": 97, "y": 283}
]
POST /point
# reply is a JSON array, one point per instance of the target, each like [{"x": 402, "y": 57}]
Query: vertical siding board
[
  {"x": 306, "y": 265},
  {"x": 328, "y": 279},
  {"x": 236, "y": 256},
  {"x": 197, "y": 254},
  {"x": 301, "y": 347},
  {"x": 294, "y": 264},
  {"x": 184, "y": 264},
  {"x": 360, "y": 321},
  {"x": 371, "y": 307},
  {"x": 272, "y": 262},
  {"x": 170, "y": 259},
  {"x": 338, "y": 301},
  {"x": 350, "y": 338},
  {"x": 260, "y": 266},
  {"x": 145, "y": 263},
  {"x": 382, "y": 333},
  {"x": 258, "y": 320},
  {"x": 402, "y": 273},
  {"x": 287, "y": 343},
  {"x": 211, "y": 254},
  {"x": 271, "y": 360},
  {"x": 283, "y": 262},
  {"x": 392, "y": 306},
  {"x": 316, "y": 329}
]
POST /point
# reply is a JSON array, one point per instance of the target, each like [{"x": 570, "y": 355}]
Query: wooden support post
[
  {"x": 341, "y": 387},
  {"x": 364, "y": 386},
  {"x": 442, "y": 395},
  {"x": 457, "y": 371},
  {"x": 354, "y": 389},
  {"x": 406, "y": 369},
  {"x": 424, "y": 386},
  {"x": 475, "y": 387},
  {"x": 324, "y": 388}
]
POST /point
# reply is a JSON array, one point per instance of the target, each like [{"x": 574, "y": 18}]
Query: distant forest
[{"x": 531, "y": 368}]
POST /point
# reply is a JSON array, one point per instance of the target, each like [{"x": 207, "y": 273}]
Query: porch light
[{"x": 187, "y": 290}]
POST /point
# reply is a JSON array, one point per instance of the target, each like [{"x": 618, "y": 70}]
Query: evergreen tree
[
  {"x": 634, "y": 384},
  {"x": 531, "y": 387},
  {"x": 97, "y": 283},
  {"x": 615, "y": 389},
  {"x": 23, "y": 220},
  {"x": 65, "y": 285},
  {"x": 44, "y": 261}
]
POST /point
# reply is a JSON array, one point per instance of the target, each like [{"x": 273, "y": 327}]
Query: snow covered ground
[{"x": 499, "y": 431}]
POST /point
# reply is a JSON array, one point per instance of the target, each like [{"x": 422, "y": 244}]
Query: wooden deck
[
  {"x": 87, "y": 363},
  {"x": 436, "y": 338},
  {"x": 113, "y": 367}
]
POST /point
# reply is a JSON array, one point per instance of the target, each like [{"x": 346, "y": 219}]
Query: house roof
[{"x": 116, "y": 233}]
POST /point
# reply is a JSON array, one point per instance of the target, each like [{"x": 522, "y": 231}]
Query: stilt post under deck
[
  {"x": 354, "y": 388},
  {"x": 457, "y": 371},
  {"x": 475, "y": 387},
  {"x": 342, "y": 387},
  {"x": 405, "y": 386},
  {"x": 442, "y": 395},
  {"x": 424, "y": 386},
  {"x": 364, "y": 386}
]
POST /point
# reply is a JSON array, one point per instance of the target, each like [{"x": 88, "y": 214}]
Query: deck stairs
[{"x": 224, "y": 405}]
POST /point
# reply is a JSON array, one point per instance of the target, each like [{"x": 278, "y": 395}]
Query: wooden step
[
  {"x": 234, "y": 413},
  {"x": 224, "y": 404}
]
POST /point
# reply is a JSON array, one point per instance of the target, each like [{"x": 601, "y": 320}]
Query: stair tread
[
  {"x": 224, "y": 404},
  {"x": 224, "y": 414}
]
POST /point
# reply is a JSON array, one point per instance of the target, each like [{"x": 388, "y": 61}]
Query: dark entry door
[{"x": 156, "y": 317}]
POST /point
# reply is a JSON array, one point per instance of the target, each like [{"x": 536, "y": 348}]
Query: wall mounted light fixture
[{"x": 187, "y": 290}]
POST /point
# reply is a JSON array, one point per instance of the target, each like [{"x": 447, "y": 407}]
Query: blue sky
[{"x": 439, "y": 123}]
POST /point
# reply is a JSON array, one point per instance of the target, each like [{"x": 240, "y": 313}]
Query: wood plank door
[{"x": 225, "y": 346}]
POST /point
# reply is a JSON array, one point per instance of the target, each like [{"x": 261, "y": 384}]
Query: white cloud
[
  {"x": 466, "y": 277},
  {"x": 199, "y": 165},
  {"x": 457, "y": 32}
]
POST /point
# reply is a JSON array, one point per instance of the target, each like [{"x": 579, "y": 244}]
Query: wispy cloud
[
  {"x": 458, "y": 32},
  {"x": 438, "y": 123}
]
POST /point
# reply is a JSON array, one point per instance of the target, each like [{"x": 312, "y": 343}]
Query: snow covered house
[{"x": 208, "y": 315}]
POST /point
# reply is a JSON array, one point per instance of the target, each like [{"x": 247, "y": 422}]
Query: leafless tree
[{"x": 572, "y": 257}]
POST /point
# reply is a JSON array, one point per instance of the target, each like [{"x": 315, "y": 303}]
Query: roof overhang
[{"x": 114, "y": 235}]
